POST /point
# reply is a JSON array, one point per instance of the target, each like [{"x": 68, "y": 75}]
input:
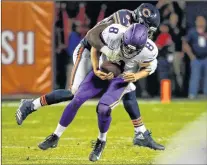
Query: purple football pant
[
  {"x": 90, "y": 87},
  {"x": 108, "y": 101}
]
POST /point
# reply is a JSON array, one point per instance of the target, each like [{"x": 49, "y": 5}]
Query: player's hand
[
  {"x": 100, "y": 74},
  {"x": 110, "y": 76},
  {"x": 129, "y": 77}
]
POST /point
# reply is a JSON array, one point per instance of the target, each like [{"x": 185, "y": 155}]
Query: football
[{"x": 109, "y": 66}]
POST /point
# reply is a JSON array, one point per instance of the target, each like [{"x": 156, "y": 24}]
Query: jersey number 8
[
  {"x": 149, "y": 46},
  {"x": 113, "y": 30}
]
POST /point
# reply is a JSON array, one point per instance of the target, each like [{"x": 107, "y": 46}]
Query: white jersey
[{"x": 112, "y": 36}]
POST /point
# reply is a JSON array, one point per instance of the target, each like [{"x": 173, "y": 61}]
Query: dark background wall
[{"x": 194, "y": 9}]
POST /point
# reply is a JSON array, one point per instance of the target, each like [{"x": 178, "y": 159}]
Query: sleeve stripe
[
  {"x": 115, "y": 19},
  {"x": 118, "y": 18}
]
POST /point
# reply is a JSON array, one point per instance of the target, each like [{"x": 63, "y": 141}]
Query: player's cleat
[
  {"x": 145, "y": 140},
  {"x": 97, "y": 150},
  {"x": 26, "y": 107},
  {"x": 50, "y": 142}
]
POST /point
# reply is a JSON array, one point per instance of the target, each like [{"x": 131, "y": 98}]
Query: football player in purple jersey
[{"x": 146, "y": 14}]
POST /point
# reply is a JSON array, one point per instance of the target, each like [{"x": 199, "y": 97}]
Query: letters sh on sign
[{"x": 27, "y": 30}]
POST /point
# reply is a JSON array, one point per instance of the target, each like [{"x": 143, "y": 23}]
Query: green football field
[{"x": 19, "y": 143}]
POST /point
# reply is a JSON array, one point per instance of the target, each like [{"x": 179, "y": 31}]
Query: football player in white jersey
[
  {"x": 113, "y": 36},
  {"x": 128, "y": 43},
  {"x": 131, "y": 43},
  {"x": 146, "y": 14}
]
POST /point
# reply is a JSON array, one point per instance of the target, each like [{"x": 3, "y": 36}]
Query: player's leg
[
  {"x": 82, "y": 66},
  {"x": 107, "y": 102},
  {"x": 132, "y": 108},
  {"x": 90, "y": 87},
  {"x": 142, "y": 135},
  {"x": 28, "y": 106}
]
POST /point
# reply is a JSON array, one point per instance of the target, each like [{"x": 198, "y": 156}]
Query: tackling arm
[
  {"x": 94, "y": 59},
  {"x": 95, "y": 64},
  {"x": 93, "y": 35}
]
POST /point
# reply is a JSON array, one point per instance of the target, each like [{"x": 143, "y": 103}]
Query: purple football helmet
[{"x": 134, "y": 40}]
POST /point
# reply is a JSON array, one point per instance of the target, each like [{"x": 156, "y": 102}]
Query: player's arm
[
  {"x": 93, "y": 35},
  {"x": 145, "y": 70},
  {"x": 133, "y": 77},
  {"x": 109, "y": 36},
  {"x": 94, "y": 59},
  {"x": 95, "y": 54}
]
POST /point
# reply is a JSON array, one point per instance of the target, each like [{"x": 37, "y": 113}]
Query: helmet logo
[
  {"x": 146, "y": 12},
  {"x": 128, "y": 17}
]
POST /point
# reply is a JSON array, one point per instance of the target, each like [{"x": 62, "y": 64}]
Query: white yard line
[{"x": 188, "y": 146}]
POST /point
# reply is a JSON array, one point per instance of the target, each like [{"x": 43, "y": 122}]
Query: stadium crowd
[{"x": 181, "y": 39}]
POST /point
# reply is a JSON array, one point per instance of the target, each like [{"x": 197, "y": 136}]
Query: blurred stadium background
[{"x": 38, "y": 39}]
